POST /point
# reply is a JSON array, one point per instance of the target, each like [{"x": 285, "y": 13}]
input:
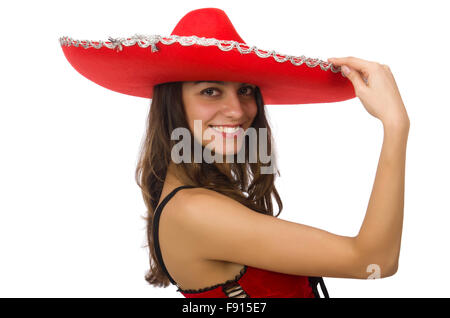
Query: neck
[{"x": 172, "y": 178}]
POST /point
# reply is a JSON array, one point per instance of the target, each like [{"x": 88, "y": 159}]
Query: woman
[{"x": 218, "y": 236}]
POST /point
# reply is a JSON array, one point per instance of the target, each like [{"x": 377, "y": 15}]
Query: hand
[{"x": 375, "y": 86}]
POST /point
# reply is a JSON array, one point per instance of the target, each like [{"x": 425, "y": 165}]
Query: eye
[
  {"x": 246, "y": 91},
  {"x": 250, "y": 91},
  {"x": 208, "y": 90}
]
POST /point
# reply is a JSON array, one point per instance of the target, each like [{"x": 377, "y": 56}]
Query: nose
[{"x": 232, "y": 106}]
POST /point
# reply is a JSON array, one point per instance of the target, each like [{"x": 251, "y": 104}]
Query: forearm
[{"x": 379, "y": 238}]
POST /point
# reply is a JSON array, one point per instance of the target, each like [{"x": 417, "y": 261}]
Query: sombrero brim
[{"x": 134, "y": 65}]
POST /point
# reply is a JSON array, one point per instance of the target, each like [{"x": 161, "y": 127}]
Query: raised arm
[
  {"x": 213, "y": 226},
  {"x": 380, "y": 235},
  {"x": 381, "y": 231}
]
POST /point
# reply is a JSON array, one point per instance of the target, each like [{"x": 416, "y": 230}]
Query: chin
[{"x": 230, "y": 150}]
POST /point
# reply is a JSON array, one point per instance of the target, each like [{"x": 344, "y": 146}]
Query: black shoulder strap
[
  {"x": 318, "y": 280},
  {"x": 156, "y": 218}
]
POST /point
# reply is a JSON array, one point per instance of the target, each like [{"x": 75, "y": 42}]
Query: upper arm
[{"x": 220, "y": 228}]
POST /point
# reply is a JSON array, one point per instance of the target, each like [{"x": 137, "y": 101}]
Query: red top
[{"x": 251, "y": 282}]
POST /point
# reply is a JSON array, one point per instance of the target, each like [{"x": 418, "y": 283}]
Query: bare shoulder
[{"x": 223, "y": 229}]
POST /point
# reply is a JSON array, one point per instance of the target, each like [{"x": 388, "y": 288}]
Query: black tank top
[{"x": 156, "y": 218}]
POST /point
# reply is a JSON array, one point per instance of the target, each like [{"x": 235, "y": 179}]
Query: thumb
[{"x": 353, "y": 76}]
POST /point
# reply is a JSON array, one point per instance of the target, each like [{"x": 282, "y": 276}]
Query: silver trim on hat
[{"x": 145, "y": 41}]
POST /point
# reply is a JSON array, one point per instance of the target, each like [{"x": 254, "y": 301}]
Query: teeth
[{"x": 226, "y": 129}]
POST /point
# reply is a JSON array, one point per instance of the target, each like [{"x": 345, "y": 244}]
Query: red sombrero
[{"x": 205, "y": 46}]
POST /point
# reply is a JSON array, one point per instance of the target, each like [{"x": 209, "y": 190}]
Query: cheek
[
  {"x": 198, "y": 111},
  {"x": 252, "y": 110}
]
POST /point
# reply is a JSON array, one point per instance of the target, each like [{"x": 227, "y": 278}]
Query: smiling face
[{"x": 225, "y": 109}]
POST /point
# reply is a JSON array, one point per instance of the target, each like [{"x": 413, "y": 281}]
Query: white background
[{"x": 70, "y": 211}]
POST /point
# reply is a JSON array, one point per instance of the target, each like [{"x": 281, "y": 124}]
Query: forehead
[{"x": 219, "y": 82}]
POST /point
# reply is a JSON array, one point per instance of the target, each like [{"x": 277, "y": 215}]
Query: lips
[
  {"x": 228, "y": 131},
  {"x": 227, "y": 125},
  {"x": 226, "y": 128}
]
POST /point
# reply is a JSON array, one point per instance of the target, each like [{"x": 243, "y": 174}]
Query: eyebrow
[{"x": 217, "y": 82}]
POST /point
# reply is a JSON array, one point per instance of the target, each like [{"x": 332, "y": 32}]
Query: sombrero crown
[{"x": 204, "y": 45}]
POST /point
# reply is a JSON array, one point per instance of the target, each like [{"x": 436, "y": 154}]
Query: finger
[
  {"x": 355, "y": 77},
  {"x": 353, "y": 62},
  {"x": 386, "y": 67}
]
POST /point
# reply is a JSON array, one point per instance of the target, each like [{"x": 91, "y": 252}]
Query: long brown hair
[{"x": 240, "y": 181}]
